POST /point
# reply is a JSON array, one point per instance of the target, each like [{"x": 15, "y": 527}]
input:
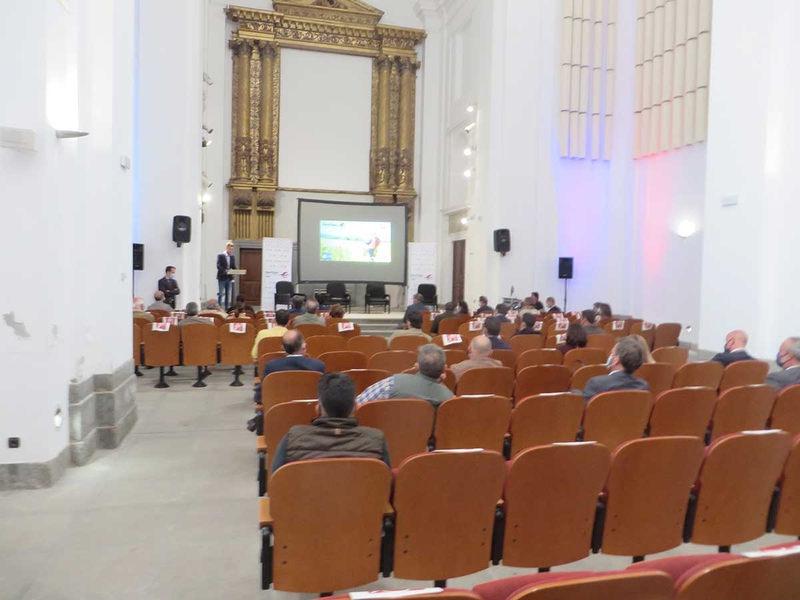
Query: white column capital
[{"x": 431, "y": 13}]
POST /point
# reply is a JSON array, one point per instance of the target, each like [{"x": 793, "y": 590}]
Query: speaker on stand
[{"x": 565, "y": 264}]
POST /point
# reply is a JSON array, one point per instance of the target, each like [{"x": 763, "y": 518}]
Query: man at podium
[{"x": 226, "y": 261}]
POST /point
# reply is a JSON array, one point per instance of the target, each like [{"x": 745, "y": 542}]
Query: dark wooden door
[
  {"x": 459, "y": 267},
  {"x": 250, "y": 284}
]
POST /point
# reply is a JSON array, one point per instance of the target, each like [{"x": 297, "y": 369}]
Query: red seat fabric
[
  {"x": 677, "y": 566},
  {"x": 503, "y": 588}
]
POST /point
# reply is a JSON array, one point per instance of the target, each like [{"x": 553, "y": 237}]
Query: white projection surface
[{"x": 326, "y": 103}]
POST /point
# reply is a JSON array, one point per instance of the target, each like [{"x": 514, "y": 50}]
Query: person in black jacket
[
  {"x": 225, "y": 262},
  {"x": 169, "y": 286},
  {"x": 735, "y": 349},
  {"x": 625, "y": 358}
]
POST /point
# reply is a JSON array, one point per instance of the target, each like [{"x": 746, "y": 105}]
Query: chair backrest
[
  {"x": 376, "y": 289},
  {"x": 659, "y": 376},
  {"x": 545, "y": 419},
  {"x": 320, "y": 344},
  {"x": 648, "y": 493},
  {"x": 683, "y": 411},
  {"x": 158, "y": 314},
  {"x": 601, "y": 586},
  {"x": 744, "y": 372},
  {"x": 161, "y": 348},
  {"x": 667, "y": 334},
  {"x": 786, "y": 411},
  {"x": 336, "y": 289},
  {"x": 453, "y": 357},
  {"x": 394, "y": 361},
  {"x": 270, "y": 344},
  {"x": 310, "y": 330},
  {"x": 137, "y": 344},
  {"x": 555, "y": 340},
  {"x": 279, "y": 419},
  {"x": 674, "y": 355},
  {"x": 584, "y": 374},
  {"x": 646, "y": 330},
  {"x": 333, "y": 329},
  {"x": 368, "y": 345},
  {"x": 507, "y": 330},
  {"x": 437, "y": 538},
  {"x": 542, "y": 356},
  {"x": 428, "y": 291},
  {"x": 486, "y": 380},
  {"x": 699, "y": 374},
  {"x": 472, "y": 422},
  {"x": 613, "y": 418},
  {"x": 604, "y": 341},
  {"x": 200, "y": 344},
  {"x": 242, "y": 319},
  {"x": 286, "y": 386},
  {"x": 343, "y": 360},
  {"x": 409, "y": 343},
  {"x": 407, "y": 424},
  {"x": 284, "y": 287},
  {"x": 141, "y": 321},
  {"x": 236, "y": 348},
  {"x": 788, "y": 516},
  {"x": 366, "y": 377},
  {"x": 348, "y": 515},
  {"x": 736, "y": 482},
  {"x": 522, "y": 343},
  {"x": 742, "y": 408},
  {"x": 450, "y": 325},
  {"x": 541, "y": 379},
  {"x": 267, "y": 357},
  {"x": 581, "y": 357},
  {"x": 507, "y": 357},
  {"x": 550, "y": 496},
  {"x": 618, "y": 328}
]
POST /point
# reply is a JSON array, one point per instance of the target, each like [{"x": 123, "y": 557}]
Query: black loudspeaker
[
  {"x": 138, "y": 257},
  {"x": 565, "y": 267},
  {"x": 181, "y": 229},
  {"x": 502, "y": 241}
]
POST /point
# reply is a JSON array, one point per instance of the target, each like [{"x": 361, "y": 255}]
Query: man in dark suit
[
  {"x": 501, "y": 312},
  {"x": 449, "y": 312},
  {"x": 788, "y": 360},
  {"x": 734, "y": 351},
  {"x": 417, "y": 306},
  {"x": 551, "y": 305},
  {"x": 529, "y": 320},
  {"x": 483, "y": 306},
  {"x": 225, "y": 262},
  {"x": 169, "y": 286},
  {"x": 533, "y": 301},
  {"x": 491, "y": 329},
  {"x": 625, "y": 358}
]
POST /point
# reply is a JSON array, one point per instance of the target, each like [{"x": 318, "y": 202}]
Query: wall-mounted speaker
[
  {"x": 181, "y": 229},
  {"x": 138, "y": 257},
  {"x": 565, "y": 267},
  {"x": 502, "y": 241}
]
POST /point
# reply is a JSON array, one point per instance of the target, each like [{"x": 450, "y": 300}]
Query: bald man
[
  {"x": 479, "y": 351},
  {"x": 734, "y": 351},
  {"x": 159, "y": 303},
  {"x": 788, "y": 360},
  {"x": 310, "y": 317}
]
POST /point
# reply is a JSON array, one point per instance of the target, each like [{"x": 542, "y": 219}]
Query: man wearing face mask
[
  {"x": 734, "y": 351},
  {"x": 169, "y": 286},
  {"x": 625, "y": 358},
  {"x": 788, "y": 360}
]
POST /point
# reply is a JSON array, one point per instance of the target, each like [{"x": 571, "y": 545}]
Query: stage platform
[{"x": 376, "y": 322}]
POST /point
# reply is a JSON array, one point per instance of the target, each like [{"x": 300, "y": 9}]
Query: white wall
[{"x": 68, "y": 234}]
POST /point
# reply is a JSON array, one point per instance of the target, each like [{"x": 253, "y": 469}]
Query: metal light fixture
[{"x": 64, "y": 134}]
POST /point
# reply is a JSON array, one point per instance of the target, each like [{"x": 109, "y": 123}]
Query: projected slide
[{"x": 355, "y": 241}]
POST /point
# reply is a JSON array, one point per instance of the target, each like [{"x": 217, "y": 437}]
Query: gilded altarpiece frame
[{"x": 339, "y": 26}]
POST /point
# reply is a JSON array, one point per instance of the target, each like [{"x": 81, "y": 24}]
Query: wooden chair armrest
[
  {"x": 261, "y": 444},
  {"x": 264, "y": 516}
]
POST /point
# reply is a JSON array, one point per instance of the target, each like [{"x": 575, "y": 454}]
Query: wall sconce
[
  {"x": 207, "y": 143},
  {"x": 686, "y": 229},
  {"x": 58, "y": 418},
  {"x": 64, "y": 134},
  {"x": 467, "y": 151},
  {"x": 470, "y": 109},
  {"x": 468, "y": 173},
  {"x": 469, "y": 127}
]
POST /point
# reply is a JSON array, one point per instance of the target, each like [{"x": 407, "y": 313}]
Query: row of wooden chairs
[{"x": 550, "y": 506}]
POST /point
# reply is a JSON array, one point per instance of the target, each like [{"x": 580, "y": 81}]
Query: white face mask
[{"x": 609, "y": 361}]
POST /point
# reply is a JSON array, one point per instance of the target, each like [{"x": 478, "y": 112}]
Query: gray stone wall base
[
  {"x": 32, "y": 476},
  {"x": 82, "y": 450},
  {"x": 111, "y": 437}
]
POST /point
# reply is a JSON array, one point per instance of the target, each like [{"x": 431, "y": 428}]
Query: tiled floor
[{"x": 169, "y": 515}]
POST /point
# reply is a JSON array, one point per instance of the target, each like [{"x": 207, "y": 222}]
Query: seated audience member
[
  {"x": 336, "y": 432},
  {"x": 310, "y": 317},
  {"x": 588, "y": 317},
  {"x": 281, "y": 321},
  {"x": 551, "y": 305},
  {"x": 648, "y": 357},
  {"x": 297, "y": 306},
  {"x": 212, "y": 308},
  {"x": 479, "y": 351},
  {"x": 295, "y": 360},
  {"x": 734, "y": 350},
  {"x": 411, "y": 326},
  {"x": 483, "y": 306},
  {"x": 463, "y": 308},
  {"x": 139, "y": 312},
  {"x": 501, "y": 312},
  {"x": 159, "y": 303},
  {"x": 491, "y": 329},
  {"x": 528, "y": 322},
  {"x": 425, "y": 385},
  {"x": 788, "y": 360},
  {"x": 191, "y": 316},
  {"x": 336, "y": 312},
  {"x": 533, "y": 301},
  {"x": 625, "y": 358},
  {"x": 605, "y": 311},
  {"x": 449, "y": 312},
  {"x": 417, "y": 306},
  {"x": 576, "y": 338},
  {"x": 240, "y": 306}
]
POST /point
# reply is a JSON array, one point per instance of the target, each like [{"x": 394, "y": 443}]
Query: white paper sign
[
  {"x": 161, "y": 326},
  {"x": 475, "y": 325},
  {"x": 561, "y": 338},
  {"x": 170, "y": 320},
  {"x": 617, "y": 325},
  {"x": 561, "y": 326},
  {"x": 346, "y": 327},
  {"x": 647, "y": 326},
  {"x": 238, "y": 328},
  {"x": 451, "y": 338},
  {"x": 538, "y": 325},
  {"x": 276, "y": 265},
  {"x": 421, "y": 267},
  {"x": 392, "y": 593}
]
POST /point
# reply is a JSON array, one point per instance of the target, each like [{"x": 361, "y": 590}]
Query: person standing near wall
[
  {"x": 169, "y": 286},
  {"x": 225, "y": 262}
]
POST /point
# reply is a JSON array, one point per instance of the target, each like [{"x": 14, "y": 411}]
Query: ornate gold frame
[{"x": 339, "y": 26}]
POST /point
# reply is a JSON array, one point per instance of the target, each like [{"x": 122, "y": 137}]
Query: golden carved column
[
  {"x": 241, "y": 109},
  {"x": 383, "y": 74},
  {"x": 408, "y": 92}
]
